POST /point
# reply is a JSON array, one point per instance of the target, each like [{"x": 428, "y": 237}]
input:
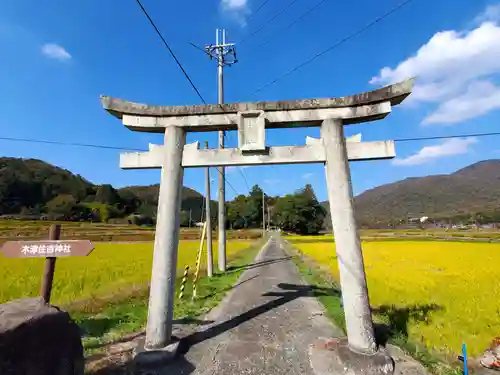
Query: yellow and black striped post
[
  {"x": 184, "y": 280},
  {"x": 198, "y": 259}
]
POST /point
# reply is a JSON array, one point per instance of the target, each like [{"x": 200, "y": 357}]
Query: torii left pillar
[{"x": 162, "y": 293}]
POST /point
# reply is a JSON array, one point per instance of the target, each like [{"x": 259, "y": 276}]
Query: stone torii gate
[{"x": 251, "y": 120}]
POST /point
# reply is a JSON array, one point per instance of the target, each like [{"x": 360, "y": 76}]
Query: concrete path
[{"x": 265, "y": 325}]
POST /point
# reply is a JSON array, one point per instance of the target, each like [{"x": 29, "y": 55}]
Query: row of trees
[{"x": 299, "y": 212}]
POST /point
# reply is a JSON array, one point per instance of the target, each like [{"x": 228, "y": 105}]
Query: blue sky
[{"x": 58, "y": 56}]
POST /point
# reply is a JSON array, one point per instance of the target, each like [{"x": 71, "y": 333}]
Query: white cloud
[
  {"x": 480, "y": 98},
  {"x": 491, "y": 13},
  {"x": 450, "y": 147},
  {"x": 454, "y": 66},
  {"x": 55, "y": 51},
  {"x": 307, "y": 176},
  {"x": 236, "y": 9}
]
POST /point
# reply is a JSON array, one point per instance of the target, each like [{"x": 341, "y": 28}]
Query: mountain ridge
[{"x": 471, "y": 189}]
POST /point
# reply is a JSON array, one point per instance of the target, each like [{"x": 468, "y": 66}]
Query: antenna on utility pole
[{"x": 225, "y": 54}]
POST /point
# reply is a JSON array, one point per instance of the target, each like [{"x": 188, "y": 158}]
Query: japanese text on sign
[{"x": 46, "y": 249}]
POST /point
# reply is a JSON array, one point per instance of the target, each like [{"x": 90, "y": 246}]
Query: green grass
[
  {"x": 313, "y": 274},
  {"x": 109, "y": 318}
]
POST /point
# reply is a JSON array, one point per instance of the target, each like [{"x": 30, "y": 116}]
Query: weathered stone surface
[
  {"x": 395, "y": 93},
  {"x": 491, "y": 358},
  {"x": 403, "y": 363},
  {"x": 334, "y": 357},
  {"x": 143, "y": 356},
  {"x": 38, "y": 339}
]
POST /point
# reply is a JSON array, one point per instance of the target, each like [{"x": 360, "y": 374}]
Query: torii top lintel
[{"x": 366, "y": 106}]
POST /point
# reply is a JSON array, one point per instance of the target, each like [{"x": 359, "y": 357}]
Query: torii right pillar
[{"x": 359, "y": 352}]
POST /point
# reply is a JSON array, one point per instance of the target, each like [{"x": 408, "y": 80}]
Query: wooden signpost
[{"x": 50, "y": 249}]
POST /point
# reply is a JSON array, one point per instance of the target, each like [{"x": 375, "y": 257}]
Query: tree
[
  {"x": 238, "y": 212},
  {"x": 254, "y": 207},
  {"x": 62, "y": 204},
  {"x": 129, "y": 201},
  {"x": 285, "y": 214},
  {"x": 108, "y": 195},
  {"x": 67, "y": 207},
  {"x": 184, "y": 219},
  {"x": 300, "y": 212}
]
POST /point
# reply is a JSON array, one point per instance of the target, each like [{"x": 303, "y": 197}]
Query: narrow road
[{"x": 264, "y": 326}]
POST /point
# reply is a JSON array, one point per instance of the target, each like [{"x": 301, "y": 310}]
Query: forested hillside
[{"x": 33, "y": 188}]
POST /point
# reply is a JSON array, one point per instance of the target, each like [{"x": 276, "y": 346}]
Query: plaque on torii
[{"x": 251, "y": 120}]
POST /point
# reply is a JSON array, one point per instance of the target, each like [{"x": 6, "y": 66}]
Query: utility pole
[
  {"x": 268, "y": 217},
  {"x": 225, "y": 54},
  {"x": 210, "y": 260},
  {"x": 263, "y": 214}
]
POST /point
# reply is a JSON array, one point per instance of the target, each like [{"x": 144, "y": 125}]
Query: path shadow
[
  {"x": 398, "y": 319},
  {"x": 288, "y": 293},
  {"x": 259, "y": 264},
  {"x": 229, "y": 288}
]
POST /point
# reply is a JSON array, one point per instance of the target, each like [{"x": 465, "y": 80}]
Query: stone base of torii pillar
[
  {"x": 144, "y": 356},
  {"x": 334, "y": 356}
]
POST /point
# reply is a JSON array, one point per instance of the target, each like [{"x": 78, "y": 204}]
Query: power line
[
  {"x": 446, "y": 137},
  {"x": 170, "y": 50},
  {"x": 240, "y": 169},
  {"x": 199, "y": 49},
  {"x": 72, "y": 144},
  {"x": 75, "y": 144},
  {"x": 229, "y": 184},
  {"x": 180, "y": 66},
  {"x": 257, "y": 10},
  {"x": 337, "y": 44},
  {"x": 244, "y": 178},
  {"x": 304, "y": 15},
  {"x": 268, "y": 22}
]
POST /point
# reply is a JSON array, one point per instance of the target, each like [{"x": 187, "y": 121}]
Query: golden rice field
[
  {"x": 108, "y": 269},
  {"x": 444, "y": 293}
]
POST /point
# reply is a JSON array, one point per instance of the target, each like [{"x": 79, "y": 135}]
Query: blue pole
[{"x": 464, "y": 353}]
